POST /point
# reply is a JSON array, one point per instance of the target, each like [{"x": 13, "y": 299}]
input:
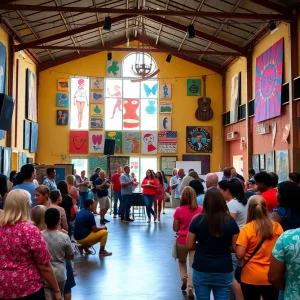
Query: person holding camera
[{"x": 102, "y": 185}]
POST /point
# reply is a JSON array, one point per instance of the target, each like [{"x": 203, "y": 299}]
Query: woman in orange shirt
[
  {"x": 254, "y": 279},
  {"x": 149, "y": 186}
]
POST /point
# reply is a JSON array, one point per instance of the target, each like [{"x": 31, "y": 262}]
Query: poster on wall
[
  {"x": 97, "y": 110},
  {"x": 97, "y": 162},
  {"x": 167, "y": 142},
  {"x": 34, "y": 131},
  {"x": 79, "y": 103},
  {"x": 96, "y": 123},
  {"x": 270, "y": 161},
  {"x": 97, "y": 83},
  {"x": 97, "y": 97},
  {"x": 131, "y": 142},
  {"x": 26, "y": 135},
  {"x": 282, "y": 165},
  {"x": 2, "y": 68},
  {"x": 167, "y": 164},
  {"x": 165, "y": 123},
  {"x": 165, "y": 107},
  {"x": 63, "y": 84},
  {"x": 96, "y": 142},
  {"x": 235, "y": 97},
  {"x": 268, "y": 83},
  {"x": 149, "y": 142},
  {"x": 62, "y": 117},
  {"x": 78, "y": 142},
  {"x": 204, "y": 159},
  {"x": 62, "y": 100},
  {"x": 131, "y": 117},
  {"x": 165, "y": 91},
  {"x": 193, "y": 87},
  {"x": 198, "y": 139},
  {"x": 31, "y": 96},
  {"x": 113, "y": 68},
  {"x": 117, "y": 136}
]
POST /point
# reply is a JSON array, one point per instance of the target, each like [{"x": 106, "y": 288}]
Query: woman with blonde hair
[
  {"x": 182, "y": 218},
  {"x": 258, "y": 236},
  {"x": 38, "y": 216},
  {"x": 73, "y": 192},
  {"x": 25, "y": 261}
]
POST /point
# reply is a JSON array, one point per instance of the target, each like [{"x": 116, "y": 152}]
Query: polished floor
[{"x": 141, "y": 267}]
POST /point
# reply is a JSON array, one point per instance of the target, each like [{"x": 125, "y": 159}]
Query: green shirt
[{"x": 287, "y": 250}]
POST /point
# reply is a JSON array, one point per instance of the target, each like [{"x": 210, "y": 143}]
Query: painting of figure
[
  {"x": 2, "y": 68},
  {"x": 235, "y": 97},
  {"x": 97, "y": 83},
  {"x": 165, "y": 91},
  {"x": 31, "y": 96}
]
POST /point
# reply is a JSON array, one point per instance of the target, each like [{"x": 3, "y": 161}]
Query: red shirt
[
  {"x": 270, "y": 197},
  {"x": 115, "y": 179},
  {"x": 148, "y": 190}
]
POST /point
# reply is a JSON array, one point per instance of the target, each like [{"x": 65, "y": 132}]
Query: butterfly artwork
[
  {"x": 150, "y": 89},
  {"x": 62, "y": 100},
  {"x": 96, "y": 97},
  {"x": 96, "y": 142},
  {"x": 78, "y": 142},
  {"x": 96, "y": 110},
  {"x": 63, "y": 84}
]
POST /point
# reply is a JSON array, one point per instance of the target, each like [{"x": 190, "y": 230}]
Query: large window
[
  {"x": 139, "y": 166},
  {"x": 131, "y": 105},
  {"x": 80, "y": 164}
]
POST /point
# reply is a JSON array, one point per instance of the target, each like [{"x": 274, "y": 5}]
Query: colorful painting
[
  {"x": 97, "y": 97},
  {"x": 165, "y": 123},
  {"x": 131, "y": 118},
  {"x": 255, "y": 162},
  {"x": 167, "y": 164},
  {"x": 26, "y": 136},
  {"x": 205, "y": 161},
  {"x": 113, "y": 68},
  {"x": 7, "y": 153},
  {"x": 270, "y": 161},
  {"x": 62, "y": 117},
  {"x": 96, "y": 142},
  {"x": 97, "y": 110},
  {"x": 149, "y": 89},
  {"x": 60, "y": 174},
  {"x": 117, "y": 136},
  {"x": 131, "y": 142},
  {"x": 78, "y": 142},
  {"x": 114, "y": 90},
  {"x": 151, "y": 107},
  {"x": 235, "y": 97},
  {"x": 97, "y": 162},
  {"x": 2, "y": 68},
  {"x": 63, "y": 84},
  {"x": 62, "y": 100},
  {"x": 165, "y": 107},
  {"x": 96, "y": 123},
  {"x": 165, "y": 91},
  {"x": 268, "y": 83},
  {"x": 149, "y": 142},
  {"x": 198, "y": 139},
  {"x": 193, "y": 87},
  {"x": 34, "y": 131},
  {"x": 167, "y": 142},
  {"x": 97, "y": 83},
  {"x": 282, "y": 165},
  {"x": 118, "y": 161},
  {"x": 31, "y": 96}
]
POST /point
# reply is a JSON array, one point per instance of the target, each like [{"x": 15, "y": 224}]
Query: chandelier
[{"x": 144, "y": 64}]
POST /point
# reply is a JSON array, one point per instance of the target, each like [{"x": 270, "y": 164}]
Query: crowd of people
[{"x": 239, "y": 238}]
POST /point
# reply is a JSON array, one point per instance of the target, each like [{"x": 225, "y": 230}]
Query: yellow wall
[{"x": 54, "y": 140}]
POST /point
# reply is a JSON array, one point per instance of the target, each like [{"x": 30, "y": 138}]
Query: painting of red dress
[{"x": 268, "y": 82}]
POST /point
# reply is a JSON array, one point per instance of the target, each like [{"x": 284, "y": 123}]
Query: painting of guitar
[{"x": 204, "y": 111}]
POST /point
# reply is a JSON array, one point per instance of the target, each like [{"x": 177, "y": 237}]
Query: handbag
[
  {"x": 238, "y": 270},
  {"x": 174, "y": 250}
]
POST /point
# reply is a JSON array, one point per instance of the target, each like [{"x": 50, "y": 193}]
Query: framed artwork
[
  {"x": 131, "y": 116},
  {"x": 96, "y": 123},
  {"x": 167, "y": 164},
  {"x": 26, "y": 135},
  {"x": 255, "y": 162},
  {"x": 118, "y": 161},
  {"x": 31, "y": 96},
  {"x": 60, "y": 174},
  {"x": 24, "y": 158},
  {"x": 7, "y": 153},
  {"x": 97, "y": 162},
  {"x": 268, "y": 83},
  {"x": 193, "y": 87},
  {"x": 20, "y": 160},
  {"x": 62, "y": 99},
  {"x": 113, "y": 68},
  {"x": 34, "y": 131},
  {"x": 205, "y": 161},
  {"x": 132, "y": 142},
  {"x": 235, "y": 97},
  {"x": 165, "y": 107},
  {"x": 282, "y": 165},
  {"x": 63, "y": 84},
  {"x": 165, "y": 123},
  {"x": 198, "y": 139},
  {"x": 270, "y": 161},
  {"x": 149, "y": 89},
  {"x": 96, "y": 110},
  {"x": 165, "y": 91},
  {"x": 2, "y": 68},
  {"x": 96, "y": 142},
  {"x": 62, "y": 117},
  {"x": 118, "y": 137},
  {"x": 2, "y": 134},
  {"x": 97, "y": 97},
  {"x": 167, "y": 142},
  {"x": 262, "y": 161},
  {"x": 97, "y": 83},
  {"x": 78, "y": 142},
  {"x": 149, "y": 142}
]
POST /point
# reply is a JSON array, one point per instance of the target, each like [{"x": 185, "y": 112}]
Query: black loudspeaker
[
  {"x": 6, "y": 111},
  {"x": 109, "y": 147}
]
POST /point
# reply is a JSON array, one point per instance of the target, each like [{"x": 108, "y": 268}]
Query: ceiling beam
[
  {"x": 160, "y": 27},
  {"x": 161, "y": 49},
  {"x": 147, "y": 12},
  {"x": 199, "y": 34},
  {"x": 271, "y": 5},
  {"x": 64, "y": 34}
]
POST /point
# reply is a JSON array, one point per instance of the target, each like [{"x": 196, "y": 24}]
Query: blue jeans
[
  {"x": 148, "y": 200},
  {"x": 117, "y": 196},
  {"x": 125, "y": 206},
  {"x": 82, "y": 197},
  {"x": 219, "y": 283}
]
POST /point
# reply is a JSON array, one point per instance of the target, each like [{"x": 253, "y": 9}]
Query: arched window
[{"x": 130, "y": 105}]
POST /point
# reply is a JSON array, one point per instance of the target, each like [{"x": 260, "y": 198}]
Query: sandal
[
  {"x": 191, "y": 293},
  {"x": 184, "y": 284},
  {"x": 105, "y": 253}
]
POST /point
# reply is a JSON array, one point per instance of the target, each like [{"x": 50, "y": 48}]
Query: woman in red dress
[{"x": 160, "y": 195}]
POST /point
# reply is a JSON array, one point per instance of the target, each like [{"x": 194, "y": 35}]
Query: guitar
[{"x": 204, "y": 111}]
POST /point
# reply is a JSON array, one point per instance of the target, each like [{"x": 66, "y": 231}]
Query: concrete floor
[{"x": 141, "y": 267}]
